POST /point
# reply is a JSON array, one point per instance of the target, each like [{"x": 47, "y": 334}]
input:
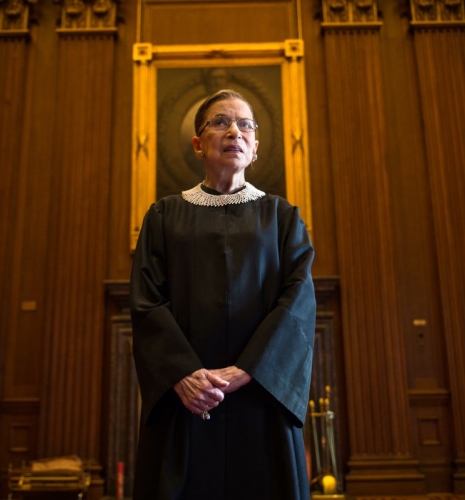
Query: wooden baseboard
[{"x": 430, "y": 496}]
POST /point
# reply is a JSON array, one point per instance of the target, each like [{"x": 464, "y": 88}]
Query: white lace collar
[{"x": 197, "y": 196}]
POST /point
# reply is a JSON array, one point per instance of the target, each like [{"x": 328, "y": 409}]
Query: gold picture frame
[{"x": 281, "y": 96}]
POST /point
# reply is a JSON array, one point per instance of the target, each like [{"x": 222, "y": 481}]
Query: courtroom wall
[{"x": 385, "y": 107}]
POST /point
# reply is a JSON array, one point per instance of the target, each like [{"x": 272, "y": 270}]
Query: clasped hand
[{"x": 205, "y": 389}]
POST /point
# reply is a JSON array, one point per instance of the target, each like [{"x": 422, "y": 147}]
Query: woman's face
[{"x": 226, "y": 149}]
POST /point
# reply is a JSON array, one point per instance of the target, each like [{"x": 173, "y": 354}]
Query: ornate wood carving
[
  {"x": 88, "y": 16},
  {"x": 437, "y": 13},
  {"x": 350, "y": 14},
  {"x": 14, "y": 17}
]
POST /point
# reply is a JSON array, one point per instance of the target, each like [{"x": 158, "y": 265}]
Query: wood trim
[
  {"x": 429, "y": 397},
  {"x": 20, "y": 406}
]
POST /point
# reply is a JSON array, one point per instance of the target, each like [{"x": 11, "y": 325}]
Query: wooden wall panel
[
  {"x": 411, "y": 206},
  {"x": 414, "y": 243},
  {"x": 118, "y": 256},
  {"x": 441, "y": 67},
  {"x": 218, "y": 22},
  {"x": 19, "y": 427},
  {"x": 432, "y": 436},
  {"x": 374, "y": 345},
  {"x": 19, "y": 386},
  {"x": 13, "y": 57},
  {"x": 324, "y": 221},
  {"x": 122, "y": 425},
  {"x": 386, "y": 120},
  {"x": 78, "y": 244}
]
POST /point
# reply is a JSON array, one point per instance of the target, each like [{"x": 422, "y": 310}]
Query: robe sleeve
[
  {"x": 279, "y": 353},
  {"x": 162, "y": 353}
]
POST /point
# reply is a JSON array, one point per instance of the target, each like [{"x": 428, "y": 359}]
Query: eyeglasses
[{"x": 223, "y": 122}]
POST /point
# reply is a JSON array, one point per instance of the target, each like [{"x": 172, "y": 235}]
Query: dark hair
[{"x": 221, "y": 95}]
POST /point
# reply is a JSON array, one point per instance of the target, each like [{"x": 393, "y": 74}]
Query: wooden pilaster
[
  {"x": 439, "y": 36},
  {"x": 78, "y": 214},
  {"x": 19, "y": 385},
  {"x": 380, "y": 449}
]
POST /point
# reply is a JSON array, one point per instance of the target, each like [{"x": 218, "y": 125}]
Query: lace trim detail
[{"x": 197, "y": 196}]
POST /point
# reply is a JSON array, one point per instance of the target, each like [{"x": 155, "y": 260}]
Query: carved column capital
[
  {"x": 350, "y": 14},
  {"x": 437, "y": 13},
  {"x": 87, "y": 16},
  {"x": 14, "y": 17}
]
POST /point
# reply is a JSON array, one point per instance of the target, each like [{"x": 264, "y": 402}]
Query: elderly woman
[{"x": 223, "y": 313}]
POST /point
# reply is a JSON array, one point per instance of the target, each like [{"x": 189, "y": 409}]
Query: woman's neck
[{"x": 224, "y": 185}]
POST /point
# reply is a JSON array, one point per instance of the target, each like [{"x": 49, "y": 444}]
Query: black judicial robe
[{"x": 213, "y": 287}]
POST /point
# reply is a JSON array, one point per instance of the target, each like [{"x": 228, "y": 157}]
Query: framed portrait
[{"x": 170, "y": 82}]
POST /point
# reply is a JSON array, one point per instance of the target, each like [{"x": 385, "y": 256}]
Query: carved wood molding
[
  {"x": 326, "y": 287},
  {"x": 370, "y": 468},
  {"x": 118, "y": 291},
  {"x": 87, "y": 17},
  {"x": 350, "y": 14},
  {"x": 437, "y": 13},
  {"x": 14, "y": 17},
  {"x": 429, "y": 397},
  {"x": 20, "y": 406}
]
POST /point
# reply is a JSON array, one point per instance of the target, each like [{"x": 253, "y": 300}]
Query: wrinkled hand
[
  {"x": 235, "y": 376},
  {"x": 202, "y": 390}
]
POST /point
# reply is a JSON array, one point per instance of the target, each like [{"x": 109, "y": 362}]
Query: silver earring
[
  {"x": 254, "y": 157},
  {"x": 201, "y": 152}
]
